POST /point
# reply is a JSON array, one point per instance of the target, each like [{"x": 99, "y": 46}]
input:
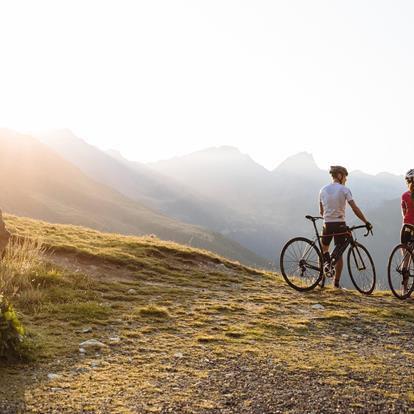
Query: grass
[
  {"x": 131, "y": 251},
  {"x": 152, "y": 311},
  {"x": 185, "y": 302},
  {"x": 22, "y": 269}
]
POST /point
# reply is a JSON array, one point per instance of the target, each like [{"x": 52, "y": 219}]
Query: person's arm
[
  {"x": 357, "y": 211},
  {"x": 320, "y": 203},
  {"x": 403, "y": 207}
]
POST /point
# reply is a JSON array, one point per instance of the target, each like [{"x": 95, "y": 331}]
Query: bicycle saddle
[{"x": 313, "y": 218}]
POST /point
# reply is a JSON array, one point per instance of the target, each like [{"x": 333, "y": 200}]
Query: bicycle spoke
[
  {"x": 401, "y": 271},
  {"x": 361, "y": 269},
  {"x": 300, "y": 264}
]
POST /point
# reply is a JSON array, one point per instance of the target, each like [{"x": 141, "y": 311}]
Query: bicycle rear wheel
[
  {"x": 401, "y": 271},
  {"x": 361, "y": 269},
  {"x": 301, "y": 264}
]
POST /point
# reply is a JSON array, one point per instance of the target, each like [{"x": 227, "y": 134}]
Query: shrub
[
  {"x": 20, "y": 268},
  {"x": 11, "y": 332}
]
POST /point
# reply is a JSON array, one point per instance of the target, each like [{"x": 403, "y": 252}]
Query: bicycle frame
[
  {"x": 340, "y": 249},
  {"x": 303, "y": 266}
]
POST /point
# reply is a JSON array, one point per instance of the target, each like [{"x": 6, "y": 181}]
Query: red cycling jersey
[{"x": 407, "y": 205}]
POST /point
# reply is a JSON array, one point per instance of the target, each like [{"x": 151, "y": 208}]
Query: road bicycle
[
  {"x": 303, "y": 267},
  {"x": 401, "y": 270}
]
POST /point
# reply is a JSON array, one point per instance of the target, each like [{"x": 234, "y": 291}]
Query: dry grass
[
  {"x": 20, "y": 268},
  {"x": 152, "y": 311},
  {"x": 186, "y": 303},
  {"x": 131, "y": 251}
]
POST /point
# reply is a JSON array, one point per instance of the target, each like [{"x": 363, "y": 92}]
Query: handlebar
[
  {"x": 362, "y": 227},
  {"x": 369, "y": 230}
]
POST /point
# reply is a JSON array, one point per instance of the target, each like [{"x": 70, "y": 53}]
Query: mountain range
[
  {"x": 218, "y": 194},
  {"x": 35, "y": 181},
  {"x": 275, "y": 202}
]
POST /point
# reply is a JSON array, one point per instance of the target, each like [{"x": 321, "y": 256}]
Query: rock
[
  {"x": 80, "y": 370},
  {"x": 53, "y": 376},
  {"x": 132, "y": 292},
  {"x": 318, "y": 306},
  {"x": 82, "y": 350},
  {"x": 87, "y": 330},
  {"x": 178, "y": 355},
  {"x": 92, "y": 344},
  {"x": 114, "y": 340}
]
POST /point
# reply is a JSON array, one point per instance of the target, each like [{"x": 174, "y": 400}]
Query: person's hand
[{"x": 369, "y": 226}]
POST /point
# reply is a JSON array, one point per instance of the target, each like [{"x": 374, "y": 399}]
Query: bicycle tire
[
  {"x": 395, "y": 281},
  {"x": 363, "y": 283},
  {"x": 296, "y": 246}
]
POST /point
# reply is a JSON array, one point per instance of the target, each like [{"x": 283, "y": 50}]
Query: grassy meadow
[{"x": 187, "y": 331}]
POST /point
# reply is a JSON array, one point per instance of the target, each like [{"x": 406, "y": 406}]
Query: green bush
[{"x": 11, "y": 332}]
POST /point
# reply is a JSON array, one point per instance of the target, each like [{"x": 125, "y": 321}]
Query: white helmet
[{"x": 410, "y": 175}]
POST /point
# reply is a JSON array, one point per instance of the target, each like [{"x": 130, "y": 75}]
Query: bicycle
[
  {"x": 303, "y": 267},
  {"x": 401, "y": 270}
]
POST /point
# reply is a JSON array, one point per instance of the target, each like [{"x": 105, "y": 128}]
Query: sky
[{"x": 160, "y": 78}]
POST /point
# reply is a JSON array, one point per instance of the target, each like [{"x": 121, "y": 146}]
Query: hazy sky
[{"x": 162, "y": 78}]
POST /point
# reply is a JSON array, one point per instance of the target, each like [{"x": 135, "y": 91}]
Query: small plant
[{"x": 11, "y": 331}]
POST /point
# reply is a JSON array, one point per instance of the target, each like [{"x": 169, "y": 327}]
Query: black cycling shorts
[
  {"x": 407, "y": 234},
  {"x": 331, "y": 230}
]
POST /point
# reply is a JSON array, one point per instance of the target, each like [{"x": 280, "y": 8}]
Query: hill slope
[
  {"x": 139, "y": 182},
  {"x": 198, "y": 334},
  {"x": 36, "y": 182}
]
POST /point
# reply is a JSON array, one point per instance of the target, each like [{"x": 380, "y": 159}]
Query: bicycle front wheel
[
  {"x": 401, "y": 271},
  {"x": 301, "y": 264},
  {"x": 361, "y": 269}
]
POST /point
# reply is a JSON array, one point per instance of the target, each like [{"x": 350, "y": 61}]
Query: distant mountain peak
[
  {"x": 114, "y": 153},
  {"x": 63, "y": 134},
  {"x": 225, "y": 155},
  {"x": 228, "y": 148},
  {"x": 303, "y": 161}
]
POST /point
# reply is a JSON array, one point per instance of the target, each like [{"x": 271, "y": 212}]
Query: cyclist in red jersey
[
  {"x": 407, "y": 202},
  {"x": 407, "y": 231}
]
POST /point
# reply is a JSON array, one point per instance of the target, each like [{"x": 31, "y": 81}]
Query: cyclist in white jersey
[{"x": 332, "y": 202}]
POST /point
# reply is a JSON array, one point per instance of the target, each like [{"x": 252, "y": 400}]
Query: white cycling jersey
[{"x": 333, "y": 198}]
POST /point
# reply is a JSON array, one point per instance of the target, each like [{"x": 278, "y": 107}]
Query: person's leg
[
  {"x": 340, "y": 239},
  {"x": 338, "y": 271},
  {"x": 326, "y": 241},
  {"x": 325, "y": 249},
  {"x": 405, "y": 238}
]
